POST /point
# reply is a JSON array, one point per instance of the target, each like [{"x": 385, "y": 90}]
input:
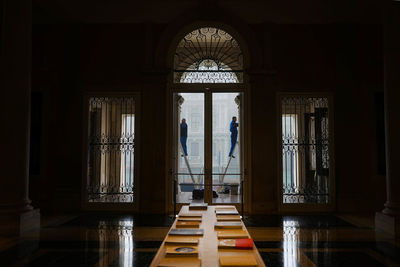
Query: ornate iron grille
[
  {"x": 208, "y": 55},
  {"x": 305, "y": 150},
  {"x": 111, "y": 149}
]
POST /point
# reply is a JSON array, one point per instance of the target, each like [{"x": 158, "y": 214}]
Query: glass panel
[
  {"x": 127, "y": 155},
  {"x": 208, "y": 72},
  {"x": 305, "y": 150},
  {"x": 226, "y": 154},
  {"x": 111, "y": 149},
  {"x": 189, "y": 147}
]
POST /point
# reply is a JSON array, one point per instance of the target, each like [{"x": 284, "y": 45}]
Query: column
[
  {"x": 389, "y": 219},
  {"x": 17, "y": 216}
]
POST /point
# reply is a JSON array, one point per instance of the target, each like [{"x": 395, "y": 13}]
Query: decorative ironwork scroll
[
  {"x": 208, "y": 55},
  {"x": 305, "y": 150},
  {"x": 111, "y": 149}
]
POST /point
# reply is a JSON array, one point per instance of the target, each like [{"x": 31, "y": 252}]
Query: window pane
[
  {"x": 226, "y": 159},
  {"x": 111, "y": 149},
  {"x": 189, "y": 139},
  {"x": 305, "y": 150}
]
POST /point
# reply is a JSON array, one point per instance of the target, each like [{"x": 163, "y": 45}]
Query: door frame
[
  {"x": 208, "y": 89},
  {"x": 306, "y": 207}
]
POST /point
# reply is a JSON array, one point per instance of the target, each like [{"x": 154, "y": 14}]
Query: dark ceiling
[{"x": 249, "y": 11}]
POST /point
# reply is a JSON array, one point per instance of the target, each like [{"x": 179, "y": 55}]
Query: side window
[
  {"x": 111, "y": 149},
  {"x": 305, "y": 149}
]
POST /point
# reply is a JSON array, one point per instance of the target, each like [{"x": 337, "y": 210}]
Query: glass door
[
  {"x": 189, "y": 147},
  {"x": 207, "y": 147},
  {"x": 226, "y": 148}
]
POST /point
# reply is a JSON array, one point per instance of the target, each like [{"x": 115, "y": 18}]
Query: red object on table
[{"x": 244, "y": 243}]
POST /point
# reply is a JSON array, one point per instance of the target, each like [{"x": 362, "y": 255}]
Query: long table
[{"x": 208, "y": 244}]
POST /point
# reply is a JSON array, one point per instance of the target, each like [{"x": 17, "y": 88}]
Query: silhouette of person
[
  {"x": 183, "y": 138},
  {"x": 234, "y": 134}
]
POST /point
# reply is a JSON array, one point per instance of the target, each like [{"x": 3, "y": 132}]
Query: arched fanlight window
[{"x": 208, "y": 55}]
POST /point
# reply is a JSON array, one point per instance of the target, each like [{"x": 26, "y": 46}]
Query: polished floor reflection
[{"x": 132, "y": 240}]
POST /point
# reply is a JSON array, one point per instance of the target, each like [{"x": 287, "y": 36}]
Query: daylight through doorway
[{"x": 192, "y": 180}]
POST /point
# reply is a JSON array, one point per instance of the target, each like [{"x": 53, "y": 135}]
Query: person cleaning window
[
  {"x": 234, "y": 134},
  {"x": 183, "y": 138}
]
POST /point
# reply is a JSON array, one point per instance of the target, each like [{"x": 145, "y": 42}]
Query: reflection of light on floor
[
  {"x": 125, "y": 247},
  {"x": 125, "y": 223},
  {"x": 290, "y": 243},
  {"x": 121, "y": 232},
  {"x": 113, "y": 198}
]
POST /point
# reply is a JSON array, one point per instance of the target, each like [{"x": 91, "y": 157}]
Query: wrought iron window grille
[
  {"x": 305, "y": 150},
  {"x": 111, "y": 149},
  {"x": 208, "y": 55}
]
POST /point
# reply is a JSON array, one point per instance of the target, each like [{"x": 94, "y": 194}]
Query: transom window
[{"x": 208, "y": 55}]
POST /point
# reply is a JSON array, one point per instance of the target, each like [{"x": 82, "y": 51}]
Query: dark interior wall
[
  {"x": 359, "y": 77},
  {"x": 56, "y": 61},
  {"x": 71, "y": 59}
]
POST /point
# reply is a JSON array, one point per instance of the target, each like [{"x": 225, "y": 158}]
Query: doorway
[
  {"x": 207, "y": 92},
  {"x": 207, "y": 147}
]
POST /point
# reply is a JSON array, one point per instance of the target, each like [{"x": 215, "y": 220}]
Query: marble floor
[{"x": 132, "y": 240}]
